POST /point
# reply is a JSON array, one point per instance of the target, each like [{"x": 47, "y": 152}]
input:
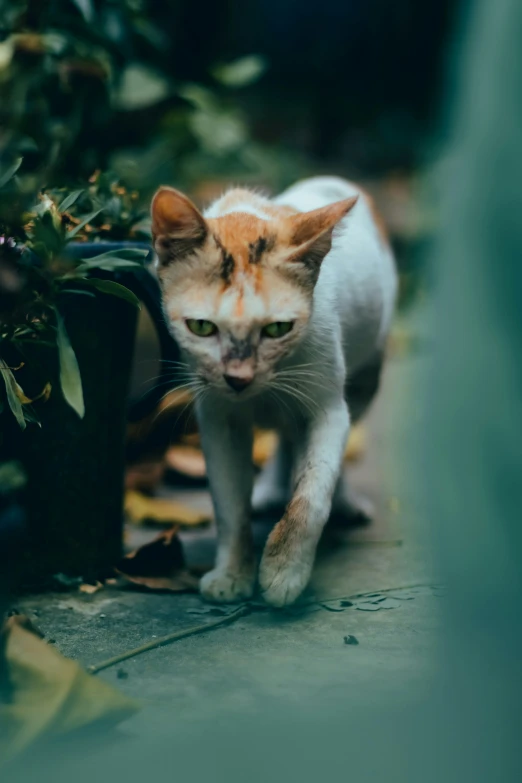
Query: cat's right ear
[{"x": 178, "y": 228}]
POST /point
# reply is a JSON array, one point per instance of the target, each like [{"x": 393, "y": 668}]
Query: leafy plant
[
  {"x": 38, "y": 251},
  {"x": 87, "y": 84},
  {"x": 117, "y": 213}
]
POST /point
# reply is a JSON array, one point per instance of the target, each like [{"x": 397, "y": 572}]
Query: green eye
[
  {"x": 277, "y": 329},
  {"x": 200, "y": 327}
]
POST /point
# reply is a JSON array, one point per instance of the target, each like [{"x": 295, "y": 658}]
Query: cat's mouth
[{"x": 240, "y": 392}]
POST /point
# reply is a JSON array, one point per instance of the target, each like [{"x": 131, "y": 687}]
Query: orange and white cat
[{"x": 281, "y": 309}]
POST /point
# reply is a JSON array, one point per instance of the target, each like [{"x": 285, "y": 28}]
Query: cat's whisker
[
  {"x": 311, "y": 384},
  {"x": 174, "y": 363},
  {"x": 290, "y": 375},
  {"x": 167, "y": 379},
  {"x": 159, "y": 385},
  {"x": 280, "y": 399},
  {"x": 307, "y": 402},
  {"x": 190, "y": 386},
  {"x": 300, "y": 392}
]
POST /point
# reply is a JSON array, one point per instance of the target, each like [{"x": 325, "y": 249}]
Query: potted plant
[{"x": 66, "y": 345}]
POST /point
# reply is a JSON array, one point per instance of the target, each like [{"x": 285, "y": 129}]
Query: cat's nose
[{"x": 237, "y": 383}]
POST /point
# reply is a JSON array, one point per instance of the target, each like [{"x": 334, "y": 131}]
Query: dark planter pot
[{"x": 73, "y": 500}]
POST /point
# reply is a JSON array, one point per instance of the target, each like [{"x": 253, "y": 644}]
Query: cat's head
[{"x": 238, "y": 289}]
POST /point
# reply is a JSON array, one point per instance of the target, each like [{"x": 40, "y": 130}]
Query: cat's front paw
[
  {"x": 283, "y": 579},
  {"x": 224, "y": 586}
]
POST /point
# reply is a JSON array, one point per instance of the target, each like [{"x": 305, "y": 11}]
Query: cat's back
[
  {"x": 315, "y": 192},
  {"x": 358, "y": 281}
]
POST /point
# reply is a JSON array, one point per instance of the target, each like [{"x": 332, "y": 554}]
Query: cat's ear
[
  {"x": 178, "y": 227},
  {"x": 311, "y": 233}
]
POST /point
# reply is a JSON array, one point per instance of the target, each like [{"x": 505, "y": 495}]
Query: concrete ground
[{"x": 272, "y": 661}]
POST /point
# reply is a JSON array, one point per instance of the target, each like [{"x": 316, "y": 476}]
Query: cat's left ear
[
  {"x": 178, "y": 227},
  {"x": 311, "y": 233}
]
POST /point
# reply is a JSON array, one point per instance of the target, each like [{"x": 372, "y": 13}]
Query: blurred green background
[
  {"x": 201, "y": 95},
  {"x": 191, "y": 93}
]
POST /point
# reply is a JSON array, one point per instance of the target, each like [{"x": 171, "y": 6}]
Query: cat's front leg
[
  {"x": 289, "y": 553},
  {"x": 227, "y": 445}
]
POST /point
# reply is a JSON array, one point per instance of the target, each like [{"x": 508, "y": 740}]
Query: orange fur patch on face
[
  {"x": 241, "y": 252},
  {"x": 244, "y": 239}
]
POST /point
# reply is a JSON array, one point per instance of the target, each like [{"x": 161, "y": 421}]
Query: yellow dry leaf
[
  {"x": 25, "y": 400},
  {"x": 188, "y": 460},
  {"x": 90, "y": 589},
  {"x": 356, "y": 445},
  {"x": 140, "y": 508},
  {"x": 265, "y": 444},
  {"x": 50, "y": 695},
  {"x": 176, "y": 399}
]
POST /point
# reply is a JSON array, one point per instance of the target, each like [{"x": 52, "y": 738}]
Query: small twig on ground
[
  {"x": 172, "y": 637},
  {"x": 241, "y": 611}
]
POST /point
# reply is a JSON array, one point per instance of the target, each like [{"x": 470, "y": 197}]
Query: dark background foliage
[{"x": 138, "y": 86}]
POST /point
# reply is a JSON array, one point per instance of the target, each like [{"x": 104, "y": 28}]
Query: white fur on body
[{"x": 353, "y": 305}]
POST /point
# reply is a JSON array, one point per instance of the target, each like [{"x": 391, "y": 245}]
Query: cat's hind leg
[{"x": 350, "y": 507}]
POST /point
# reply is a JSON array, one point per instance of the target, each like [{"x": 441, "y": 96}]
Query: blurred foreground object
[
  {"x": 472, "y": 464},
  {"x": 45, "y": 695}
]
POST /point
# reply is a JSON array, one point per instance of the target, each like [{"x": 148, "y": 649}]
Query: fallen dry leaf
[
  {"x": 159, "y": 565},
  {"x": 47, "y": 694},
  {"x": 151, "y": 456},
  {"x": 187, "y": 460},
  {"x": 265, "y": 444},
  {"x": 356, "y": 445},
  {"x": 90, "y": 589},
  {"x": 141, "y": 509},
  {"x": 177, "y": 398}
]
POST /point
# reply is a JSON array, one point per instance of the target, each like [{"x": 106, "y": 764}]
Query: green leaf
[
  {"x": 241, "y": 72},
  {"x": 69, "y": 200},
  {"x": 10, "y": 172},
  {"x": 11, "y": 387},
  {"x": 76, "y": 230},
  {"x": 46, "y": 236},
  {"x": 67, "y": 290},
  {"x": 31, "y": 416},
  {"x": 219, "y": 133},
  {"x": 86, "y": 9},
  {"x": 140, "y": 87},
  {"x": 115, "y": 289},
  {"x": 70, "y": 378},
  {"x": 108, "y": 266},
  {"x": 125, "y": 254},
  {"x": 114, "y": 259},
  {"x": 198, "y": 96},
  {"x": 7, "y": 49}
]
